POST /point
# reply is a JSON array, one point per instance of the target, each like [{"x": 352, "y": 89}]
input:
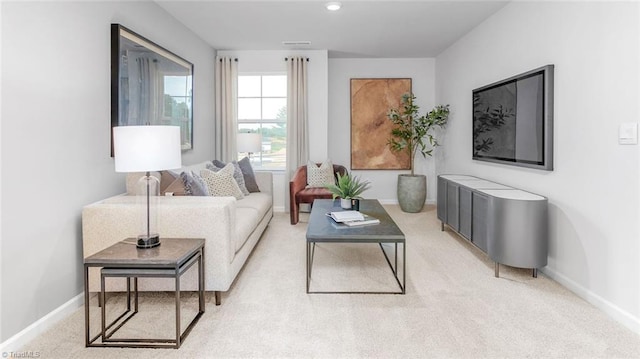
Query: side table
[{"x": 169, "y": 260}]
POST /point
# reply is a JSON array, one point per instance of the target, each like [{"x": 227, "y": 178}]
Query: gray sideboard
[{"x": 508, "y": 224}]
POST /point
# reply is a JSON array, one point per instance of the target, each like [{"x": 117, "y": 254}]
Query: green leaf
[{"x": 411, "y": 128}]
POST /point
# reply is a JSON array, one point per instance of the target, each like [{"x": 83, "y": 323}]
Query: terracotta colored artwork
[{"x": 371, "y": 100}]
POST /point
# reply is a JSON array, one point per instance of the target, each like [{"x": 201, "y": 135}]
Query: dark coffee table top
[{"x": 322, "y": 228}]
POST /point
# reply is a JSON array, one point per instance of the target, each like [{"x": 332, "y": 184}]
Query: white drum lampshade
[
  {"x": 146, "y": 149},
  {"x": 249, "y": 142}
]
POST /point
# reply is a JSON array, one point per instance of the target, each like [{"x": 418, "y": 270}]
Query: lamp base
[{"x": 151, "y": 241}]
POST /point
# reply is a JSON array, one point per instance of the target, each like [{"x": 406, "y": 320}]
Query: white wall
[
  {"x": 341, "y": 71},
  {"x": 593, "y": 191},
  {"x": 55, "y": 141},
  {"x": 273, "y": 61}
]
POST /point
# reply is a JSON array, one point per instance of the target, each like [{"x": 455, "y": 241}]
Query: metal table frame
[
  {"x": 311, "y": 245},
  {"x": 364, "y": 234},
  {"x": 131, "y": 270}
]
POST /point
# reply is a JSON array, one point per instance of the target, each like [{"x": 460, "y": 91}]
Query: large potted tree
[{"x": 413, "y": 133}]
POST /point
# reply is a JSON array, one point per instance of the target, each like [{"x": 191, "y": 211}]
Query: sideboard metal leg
[
  {"x": 217, "y": 296},
  {"x": 535, "y": 273},
  {"x": 497, "y": 266},
  {"x": 442, "y": 226}
]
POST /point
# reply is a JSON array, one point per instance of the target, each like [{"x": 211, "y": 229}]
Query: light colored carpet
[{"x": 454, "y": 307}]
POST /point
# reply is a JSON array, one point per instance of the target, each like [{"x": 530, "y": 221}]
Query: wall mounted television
[{"x": 513, "y": 120}]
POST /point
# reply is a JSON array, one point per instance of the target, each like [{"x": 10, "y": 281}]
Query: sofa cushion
[
  {"x": 237, "y": 173},
  {"x": 249, "y": 176},
  {"x": 320, "y": 176},
  {"x": 221, "y": 183},
  {"x": 260, "y": 201},
  {"x": 249, "y": 212},
  {"x": 194, "y": 185},
  {"x": 247, "y": 220}
]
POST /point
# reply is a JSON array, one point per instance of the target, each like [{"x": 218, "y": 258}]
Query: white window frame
[{"x": 262, "y": 120}]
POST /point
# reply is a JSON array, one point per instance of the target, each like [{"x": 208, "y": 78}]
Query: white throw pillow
[
  {"x": 320, "y": 176},
  {"x": 221, "y": 183}
]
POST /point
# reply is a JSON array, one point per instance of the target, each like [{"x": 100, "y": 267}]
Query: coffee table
[{"x": 322, "y": 229}]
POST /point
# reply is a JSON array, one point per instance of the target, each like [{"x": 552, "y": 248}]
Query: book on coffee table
[
  {"x": 352, "y": 219},
  {"x": 346, "y": 216},
  {"x": 367, "y": 220}
]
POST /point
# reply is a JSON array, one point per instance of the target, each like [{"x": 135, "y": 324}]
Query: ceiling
[{"x": 361, "y": 29}]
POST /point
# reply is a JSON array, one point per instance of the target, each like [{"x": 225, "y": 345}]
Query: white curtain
[
  {"x": 143, "y": 98},
  {"x": 297, "y": 117},
  {"x": 226, "y": 125}
]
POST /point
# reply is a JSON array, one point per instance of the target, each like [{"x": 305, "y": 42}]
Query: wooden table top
[{"x": 171, "y": 253}]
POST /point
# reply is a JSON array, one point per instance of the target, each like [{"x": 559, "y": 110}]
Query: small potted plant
[
  {"x": 413, "y": 133},
  {"x": 346, "y": 188}
]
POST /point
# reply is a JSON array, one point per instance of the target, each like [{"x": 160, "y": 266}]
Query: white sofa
[{"x": 231, "y": 228}]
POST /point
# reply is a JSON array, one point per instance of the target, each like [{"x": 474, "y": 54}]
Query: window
[{"x": 262, "y": 108}]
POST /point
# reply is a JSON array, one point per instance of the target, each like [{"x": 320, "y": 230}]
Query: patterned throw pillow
[
  {"x": 320, "y": 176},
  {"x": 237, "y": 174},
  {"x": 249, "y": 176},
  {"x": 221, "y": 183},
  {"x": 194, "y": 185}
]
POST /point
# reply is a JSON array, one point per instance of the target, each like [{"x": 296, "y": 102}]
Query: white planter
[{"x": 345, "y": 203}]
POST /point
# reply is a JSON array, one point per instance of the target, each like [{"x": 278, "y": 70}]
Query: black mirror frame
[{"x": 117, "y": 33}]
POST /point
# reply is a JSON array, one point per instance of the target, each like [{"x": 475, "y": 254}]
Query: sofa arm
[{"x": 213, "y": 218}]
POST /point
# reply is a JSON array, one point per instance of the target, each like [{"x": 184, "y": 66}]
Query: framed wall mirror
[{"x": 149, "y": 85}]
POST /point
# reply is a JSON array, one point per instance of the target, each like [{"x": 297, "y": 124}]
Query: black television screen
[{"x": 513, "y": 120}]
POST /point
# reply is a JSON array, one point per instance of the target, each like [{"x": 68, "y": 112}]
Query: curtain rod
[
  {"x": 234, "y": 59},
  {"x": 287, "y": 59}
]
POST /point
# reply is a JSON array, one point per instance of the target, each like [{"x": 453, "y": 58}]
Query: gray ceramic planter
[{"x": 412, "y": 192}]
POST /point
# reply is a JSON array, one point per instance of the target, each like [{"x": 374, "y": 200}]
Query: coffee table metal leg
[
  {"x": 308, "y": 270},
  {"x": 404, "y": 267},
  {"x": 396, "y": 259},
  {"x": 394, "y": 267}
]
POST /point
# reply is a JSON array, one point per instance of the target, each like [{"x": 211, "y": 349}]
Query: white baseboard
[
  {"x": 278, "y": 208},
  {"x": 305, "y": 207},
  {"x": 616, "y": 313},
  {"x": 17, "y": 342},
  {"x": 395, "y": 201}
]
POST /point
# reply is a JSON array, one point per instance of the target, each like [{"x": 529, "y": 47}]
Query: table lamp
[
  {"x": 249, "y": 143},
  {"x": 146, "y": 149}
]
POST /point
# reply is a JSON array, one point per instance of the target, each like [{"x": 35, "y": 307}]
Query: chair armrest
[{"x": 298, "y": 181}]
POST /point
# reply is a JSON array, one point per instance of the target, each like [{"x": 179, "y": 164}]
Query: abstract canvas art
[{"x": 371, "y": 100}]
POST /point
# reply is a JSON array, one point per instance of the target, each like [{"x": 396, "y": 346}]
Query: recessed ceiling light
[{"x": 333, "y": 6}]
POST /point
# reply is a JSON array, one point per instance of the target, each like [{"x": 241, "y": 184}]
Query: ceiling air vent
[{"x": 296, "y": 43}]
